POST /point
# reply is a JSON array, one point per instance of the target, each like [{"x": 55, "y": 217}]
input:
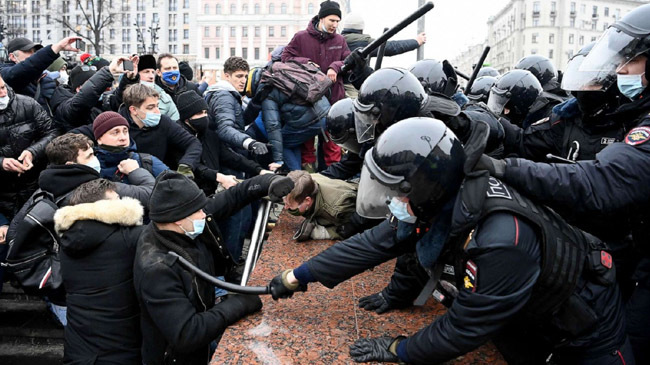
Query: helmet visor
[
  {"x": 376, "y": 189},
  {"x": 365, "y": 119},
  {"x": 576, "y": 80},
  {"x": 498, "y": 100}
]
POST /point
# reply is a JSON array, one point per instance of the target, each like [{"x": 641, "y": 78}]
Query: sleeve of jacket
[
  {"x": 140, "y": 187},
  {"x": 615, "y": 182},
  {"x": 19, "y": 217},
  {"x": 394, "y": 48},
  {"x": 46, "y": 129},
  {"x": 356, "y": 254},
  {"x": 292, "y": 51},
  {"x": 534, "y": 142},
  {"x": 407, "y": 281},
  {"x": 337, "y": 65},
  {"x": 172, "y": 110},
  {"x": 189, "y": 330},
  {"x": 185, "y": 142},
  {"x": 86, "y": 130},
  {"x": 125, "y": 82},
  {"x": 22, "y": 74},
  {"x": 349, "y": 166},
  {"x": 227, "y": 202},
  {"x": 85, "y": 99},
  {"x": 222, "y": 110},
  {"x": 157, "y": 166},
  {"x": 236, "y": 161},
  {"x": 273, "y": 124}
]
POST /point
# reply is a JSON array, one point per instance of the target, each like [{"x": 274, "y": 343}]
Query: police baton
[
  {"x": 257, "y": 290},
  {"x": 461, "y": 74},
  {"x": 470, "y": 82},
  {"x": 367, "y": 50},
  {"x": 380, "y": 53}
]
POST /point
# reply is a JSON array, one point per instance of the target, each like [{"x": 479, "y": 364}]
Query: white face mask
[
  {"x": 4, "y": 102},
  {"x": 148, "y": 83},
  {"x": 63, "y": 77},
  {"x": 94, "y": 164}
]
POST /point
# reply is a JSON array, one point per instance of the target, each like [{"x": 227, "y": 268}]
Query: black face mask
[
  {"x": 113, "y": 149},
  {"x": 294, "y": 212},
  {"x": 199, "y": 124}
]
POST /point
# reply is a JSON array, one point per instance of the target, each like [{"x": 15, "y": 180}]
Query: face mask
[
  {"x": 113, "y": 149},
  {"x": 199, "y": 124},
  {"x": 148, "y": 84},
  {"x": 94, "y": 164},
  {"x": 63, "y": 78},
  {"x": 151, "y": 120},
  {"x": 171, "y": 77},
  {"x": 198, "y": 226},
  {"x": 294, "y": 212},
  {"x": 4, "y": 102},
  {"x": 400, "y": 211},
  {"x": 630, "y": 85}
]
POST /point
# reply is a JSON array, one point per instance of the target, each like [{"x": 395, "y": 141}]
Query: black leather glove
[
  {"x": 280, "y": 287},
  {"x": 258, "y": 148},
  {"x": 280, "y": 187},
  {"x": 355, "y": 61},
  {"x": 238, "y": 306},
  {"x": 346, "y": 230},
  {"x": 375, "y": 302},
  {"x": 382, "y": 349},
  {"x": 496, "y": 168}
]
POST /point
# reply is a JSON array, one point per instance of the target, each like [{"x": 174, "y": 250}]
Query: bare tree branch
[{"x": 96, "y": 21}]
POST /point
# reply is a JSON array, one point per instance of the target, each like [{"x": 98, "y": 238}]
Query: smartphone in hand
[
  {"x": 80, "y": 45},
  {"x": 128, "y": 65}
]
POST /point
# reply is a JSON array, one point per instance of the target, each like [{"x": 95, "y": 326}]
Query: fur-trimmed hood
[{"x": 125, "y": 212}]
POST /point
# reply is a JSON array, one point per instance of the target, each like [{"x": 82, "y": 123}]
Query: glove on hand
[
  {"x": 375, "y": 302},
  {"x": 185, "y": 170},
  {"x": 280, "y": 187},
  {"x": 382, "y": 349},
  {"x": 258, "y": 148},
  {"x": 496, "y": 168},
  {"x": 281, "y": 288}
]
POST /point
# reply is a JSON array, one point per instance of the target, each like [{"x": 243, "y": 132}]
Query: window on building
[
  {"x": 233, "y": 8},
  {"x": 569, "y": 54},
  {"x": 553, "y": 6},
  {"x": 583, "y": 8},
  {"x": 244, "y": 9},
  {"x": 111, "y": 49},
  {"x": 257, "y": 53},
  {"x": 606, "y": 11},
  {"x": 232, "y": 51},
  {"x": 270, "y": 50},
  {"x": 581, "y": 40},
  {"x": 244, "y": 53},
  {"x": 186, "y": 18},
  {"x": 594, "y": 24},
  {"x": 217, "y": 31},
  {"x": 605, "y": 26},
  {"x": 551, "y": 38},
  {"x": 536, "y": 7},
  {"x": 283, "y": 31},
  {"x": 534, "y": 38},
  {"x": 593, "y": 39},
  {"x": 48, "y": 19},
  {"x": 535, "y": 22},
  {"x": 594, "y": 12},
  {"x": 572, "y": 23},
  {"x": 155, "y": 19},
  {"x": 111, "y": 34},
  {"x": 257, "y": 9},
  {"x": 233, "y": 31},
  {"x": 126, "y": 35},
  {"x": 552, "y": 21},
  {"x": 140, "y": 5},
  {"x": 48, "y": 4},
  {"x": 36, "y": 36},
  {"x": 550, "y": 53},
  {"x": 217, "y": 9},
  {"x": 186, "y": 49},
  {"x": 257, "y": 31},
  {"x": 126, "y": 48},
  {"x": 271, "y": 8},
  {"x": 283, "y": 8},
  {"x": 206, "y": 32},
  {"x": 186, "y": 4},
  {"x": 570, "y": 38},
  {"x": 244, "y": 31},
  {"x": 186, "y": 34},
  {"x": 173, "y": 5},
  {"x": 573, "y": 7},
  {"x": 271, "y": 31},
  {"x": 172, "y": 20},
  {"x": 206, "y": 9},
  {"x": 217, "y": 53}
]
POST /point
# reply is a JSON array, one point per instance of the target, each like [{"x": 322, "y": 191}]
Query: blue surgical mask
[
  {"x": 630, "y": 85},
  {"x": 400, "y": 211},
  {"x": 171, "y": 77},
  {"x": 94, "y": 164},
  {"x": 151, "y": 120},
  {"x": 198, "y": 226}
]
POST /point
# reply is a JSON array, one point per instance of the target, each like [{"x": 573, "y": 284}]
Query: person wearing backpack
[
  {"x": 98, "y": 233},
  {"x": 111, "y": 131}
]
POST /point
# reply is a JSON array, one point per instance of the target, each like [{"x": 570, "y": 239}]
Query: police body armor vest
[
  {"x": 583, "y": 142},
  {"x": 564, "y": 249}
]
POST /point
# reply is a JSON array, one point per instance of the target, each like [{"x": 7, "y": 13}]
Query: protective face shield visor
[
  {"x": 597, "y": 71},
  {"x": 366, "y": 118},
  {"x": 377, "y": 188},
  {"x": 498, "y": 100}
]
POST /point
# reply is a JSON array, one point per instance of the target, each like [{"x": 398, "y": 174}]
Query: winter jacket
[
  {"x": 113, "y": 99},
  {"x": 98, "y": 242},
  {"x": 334, "y": 204},
  {"x": 24, "y": 125},
  {"x": 226, "y": 114},
  {"x": 165, "y": 141},
  {"x": 328, "y": 50},
  {"x": 110, "y": 160},
  {"x": 215, "y": 156},
  {"x": 356, "y": 39},
  {"x": 182, "y": 86},
  {"x": 73, "y": 109},
  {"x": 24, "y": 76},
  {"x": 166, "y": 290},
  {"x": 278, "y": 111}
]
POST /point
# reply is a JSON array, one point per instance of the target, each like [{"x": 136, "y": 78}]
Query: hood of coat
[
  {"x": 62, "y": 179},
  {"x": 125, "y": 212},
  {"x": 312, "y": 29}
]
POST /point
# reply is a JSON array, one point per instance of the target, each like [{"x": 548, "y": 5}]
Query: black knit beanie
[
  {"x": 329, "y": 8},
  {"x": 174, "y": 197},
  {"x": 190, "y": 103}
]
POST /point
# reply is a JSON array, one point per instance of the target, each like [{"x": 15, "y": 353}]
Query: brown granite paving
[{"x": 317, "y": 327}]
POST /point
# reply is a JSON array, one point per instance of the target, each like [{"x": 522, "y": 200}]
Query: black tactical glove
[
  {"x": 281, "y": 288},
  {"x": 496, "y": 168},
  {"x": 280, "y": 187},
  {"x": 238, "y": 306},
  {"x": 346, "y": 230},
  {"x": 382, "y": 349},
  {"x": 258, "y": 148},
  {"x": 375, "y": 302}
]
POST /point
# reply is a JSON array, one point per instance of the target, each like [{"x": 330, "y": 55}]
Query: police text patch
[
  {"x": 637, "y": 136},
  {"x": 496, "y": 189}
]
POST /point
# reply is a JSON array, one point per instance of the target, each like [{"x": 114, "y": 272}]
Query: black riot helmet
[
  {"x": 623, "y": 41},
  {"x": 516, "y": 90},
  {"x": 418, "y": 158},
  {"x": 436, "y": 77},
  {"x": 480, "y": 90},
  {"x": 542, "y": 68},
  {"x": 488, "y": 71},
  {"x": 386, "y": 97},
  {"x": 340, "y": 125}
]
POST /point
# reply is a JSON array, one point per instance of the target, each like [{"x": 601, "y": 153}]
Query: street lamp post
[{"x": 153, "y": 29}]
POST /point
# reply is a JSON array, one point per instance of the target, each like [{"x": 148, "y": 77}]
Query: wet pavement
[{"x": 318, "y": 326}]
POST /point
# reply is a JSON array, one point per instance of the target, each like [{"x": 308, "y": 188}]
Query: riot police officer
[
  {"x": 480, "y": 90},
  {"x": 515, "y": 261},
  {"x": 544, "y": 70},
  {"x": 488, "y": 71}
]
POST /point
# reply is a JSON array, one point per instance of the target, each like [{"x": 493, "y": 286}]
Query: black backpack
[{"x": 33, "y": 255}]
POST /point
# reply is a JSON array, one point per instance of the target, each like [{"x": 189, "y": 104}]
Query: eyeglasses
[{"x": 88, "y": 68}]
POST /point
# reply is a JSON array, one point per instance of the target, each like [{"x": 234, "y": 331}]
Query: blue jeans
[{"x": 293, "y": 138}]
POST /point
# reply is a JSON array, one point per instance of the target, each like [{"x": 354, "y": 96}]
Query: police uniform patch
[
  {"x": 541, "y": 121},
  {"x": 471, "y": 275},
  {"x": 637, "y": 136},
  {"x": 496, "y": 189}
]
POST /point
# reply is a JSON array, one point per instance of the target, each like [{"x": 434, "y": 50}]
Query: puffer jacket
[
  {"x": 24, "y": 77},
  {"x": 226, "y": 113},
  {"x": 356, "y": 39},
  {"x": 98, "y": 243},
  {"x": 24, "y": 125},
  {"x": 110, "y": 160},
  {"x": 73, "y": 109},
  {"x": 328, "y": 50}
]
